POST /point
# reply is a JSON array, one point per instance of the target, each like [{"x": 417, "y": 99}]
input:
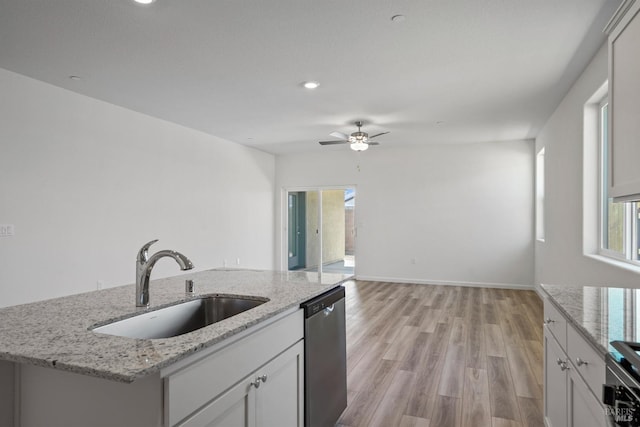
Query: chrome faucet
[{"x": 144, "y": 265}]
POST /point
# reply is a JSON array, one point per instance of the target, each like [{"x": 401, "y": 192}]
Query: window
[
  {"x": 540, "y": 195},
  {"x": 619, "y": 221}
]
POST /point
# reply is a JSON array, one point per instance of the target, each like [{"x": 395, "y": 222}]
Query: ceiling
[{"x": 454, "y": 71}]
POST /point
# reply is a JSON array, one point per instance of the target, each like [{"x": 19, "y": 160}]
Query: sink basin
[{"x": 180, "y": 318}]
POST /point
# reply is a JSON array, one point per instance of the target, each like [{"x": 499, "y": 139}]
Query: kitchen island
[{"x": 45, "y": 345}]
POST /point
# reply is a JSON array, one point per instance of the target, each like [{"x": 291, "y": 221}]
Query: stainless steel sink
[{"x": 181, "y": 318}]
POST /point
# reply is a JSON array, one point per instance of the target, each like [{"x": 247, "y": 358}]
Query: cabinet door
[
  {"x": 584, "y": 409},
  {"x": 279, "y": 399},
  {"x": 624, "y": 108},
  {"x": 235, "y": 408},
  {"x": 555, "y": 383}
]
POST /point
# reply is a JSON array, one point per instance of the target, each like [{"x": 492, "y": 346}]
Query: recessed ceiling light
[
  {"x": 75, "y": 78},
  {"x": 398, "y": 18},
  {"x": 311, "y": 85},
  {"x": 144, "y": 1}
]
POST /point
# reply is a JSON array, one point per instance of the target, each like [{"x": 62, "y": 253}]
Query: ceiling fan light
[{"x": 359, "y": 146}]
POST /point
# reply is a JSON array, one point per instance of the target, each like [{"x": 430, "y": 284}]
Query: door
[
  {"x": 297, "y": 230},
  {"x": 280, "y": 396},
  {"x": 555, "y": 383},
  {"x": 584, "y": 409},
  {"x": 321, "y": 230},
  {"x": 235, "y": 408},
  {"x": 336, "y": 219}
]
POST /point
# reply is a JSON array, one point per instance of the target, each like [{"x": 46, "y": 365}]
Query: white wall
[
  {"x": 561, "y": 258},
  {"x": 86, "y": 183},
  {"x": 463, "y": 212}
]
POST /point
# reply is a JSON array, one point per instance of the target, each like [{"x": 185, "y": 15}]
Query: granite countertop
[
  {"x": 55, "y": 333},
  {"x": 601, "y": 314}
]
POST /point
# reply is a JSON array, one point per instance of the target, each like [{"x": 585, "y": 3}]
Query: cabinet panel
[
  {"x": 51, "y": 397},
  {"x": 7, "y": 381},
  {"x": 280, "y": 398},
  {"x": 555, "y": 383},
  {"x": 624, "y": 106},
  {"x": 584, "y": 409}
]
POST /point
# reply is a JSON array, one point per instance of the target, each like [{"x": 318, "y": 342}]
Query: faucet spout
[{"x": 144, "y": 265}]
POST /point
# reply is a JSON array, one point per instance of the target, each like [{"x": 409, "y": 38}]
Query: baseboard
[
  {"x": 447, "y": 283},
  {"x": 541, "y": 292}
]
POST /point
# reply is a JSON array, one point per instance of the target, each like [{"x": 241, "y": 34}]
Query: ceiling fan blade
[
  {"x": 378, "y": 134},
  {"x": 339, "y": 135},
  {"x": 331, "y": 142}
]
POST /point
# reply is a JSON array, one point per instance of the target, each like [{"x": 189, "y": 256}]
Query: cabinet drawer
[
  {"x": 192, "y": 387},
  {"x": 555, "y": 323},
  {"x": 579, "y": 352}
]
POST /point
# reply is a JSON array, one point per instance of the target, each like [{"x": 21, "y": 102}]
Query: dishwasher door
[{"x": 325, "y": 359}]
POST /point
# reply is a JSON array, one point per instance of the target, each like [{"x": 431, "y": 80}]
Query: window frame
[
  {"x": 540, "y": 195},
  {"x": 630, "y": 241}
]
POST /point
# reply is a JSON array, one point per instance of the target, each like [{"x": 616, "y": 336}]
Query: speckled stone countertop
[
  {"x": 601, "y": 314},
  {"x": 56, "y": 333}
]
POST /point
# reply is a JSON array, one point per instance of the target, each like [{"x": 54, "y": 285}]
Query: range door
[
  {"x": 325, "y": 358},
  {"x": 621, "y": 393}
]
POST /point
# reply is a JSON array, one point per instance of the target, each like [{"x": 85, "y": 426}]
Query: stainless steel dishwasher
[{"x": 325, "y": 359}]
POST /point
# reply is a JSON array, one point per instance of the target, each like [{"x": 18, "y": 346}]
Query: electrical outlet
[
  {"x": 99, "y": 284},
  {"x": 237, "y": 261},
  {"x": 224, "y": 262},
  {"x": 7, "y": 230}
]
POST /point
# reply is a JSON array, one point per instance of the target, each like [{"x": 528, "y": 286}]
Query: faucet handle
[{"x": 143, "y": 256}]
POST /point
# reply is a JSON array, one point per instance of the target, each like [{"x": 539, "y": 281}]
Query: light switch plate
[{"x": 7, "y": 230}]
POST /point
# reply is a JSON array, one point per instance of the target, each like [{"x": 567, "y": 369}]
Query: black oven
[{"x": 621, "y": 393}]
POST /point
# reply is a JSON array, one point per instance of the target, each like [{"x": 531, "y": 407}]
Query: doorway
[
  {"x": 321, "y": 230},
  {"x": 297, "y": 230}
]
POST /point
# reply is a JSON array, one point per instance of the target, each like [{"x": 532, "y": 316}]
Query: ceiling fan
[{"x": 359, "y": 141}]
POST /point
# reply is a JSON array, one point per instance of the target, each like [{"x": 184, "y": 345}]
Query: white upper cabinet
[{"x": 624, "y": 102}]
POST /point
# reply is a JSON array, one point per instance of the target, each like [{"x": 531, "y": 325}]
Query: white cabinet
[
  {"x": 268, "y": 397},
  {"x": 280, "y": 399},
  {"x": 573, "y": 371},
  {"x": 624, "y": 102},
  {"x": 197, "y": 383},
  {"x": 583, "y": 409}
]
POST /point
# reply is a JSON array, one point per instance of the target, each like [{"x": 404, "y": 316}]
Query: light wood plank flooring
[{"x": 442, "y": 356}]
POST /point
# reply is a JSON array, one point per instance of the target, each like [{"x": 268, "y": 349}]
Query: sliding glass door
[{"x": 321, "y": 230}]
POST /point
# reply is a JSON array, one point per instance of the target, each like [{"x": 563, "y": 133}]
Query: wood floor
[{"x": 442, "y": 356}]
